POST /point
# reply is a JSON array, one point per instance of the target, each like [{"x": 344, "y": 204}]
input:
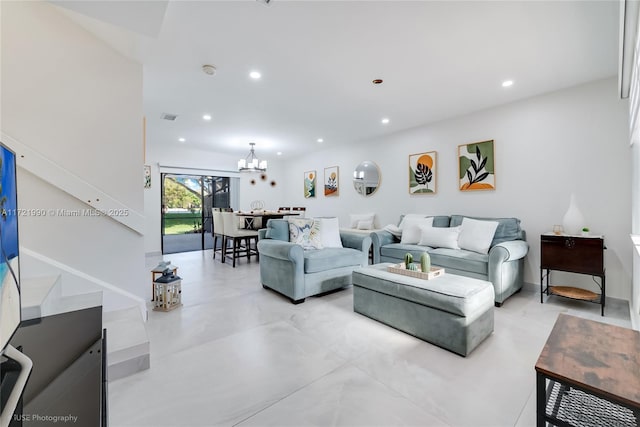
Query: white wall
[
  {"x": 204, "y": 162},
  {"x": 547, "y": 147},
  {"x": 78, "y": 102}
]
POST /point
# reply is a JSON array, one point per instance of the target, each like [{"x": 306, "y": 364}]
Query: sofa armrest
[
  {"x": 508, "y": 251},
  {"x": 281, "y": 250},
  {"x": 359, "y": 241},
  {"x": 378, "y": 240},
  {"x": 262, "y": 234},
  {"x": 506, "y": 268}
]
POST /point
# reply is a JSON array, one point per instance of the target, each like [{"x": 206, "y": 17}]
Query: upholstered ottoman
[{"x": 450, "y": 311}]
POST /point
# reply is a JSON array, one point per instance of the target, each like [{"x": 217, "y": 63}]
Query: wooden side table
[
  {"x": 588, "y": 373},
  {"x": 573, "y": 254}
]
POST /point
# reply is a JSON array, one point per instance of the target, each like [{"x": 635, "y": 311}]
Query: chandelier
[{"x": 251, "y": 162}]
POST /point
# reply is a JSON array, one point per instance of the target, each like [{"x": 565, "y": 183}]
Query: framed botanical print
[
  {"x": 309, "y": 184},
  {"x": 476, "y": 166},
  {"x": 331, "y": 183},
  {"x": 423, "y": 173}
]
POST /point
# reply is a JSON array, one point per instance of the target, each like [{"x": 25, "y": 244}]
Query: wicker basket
[{"x": 418, "y": 274}]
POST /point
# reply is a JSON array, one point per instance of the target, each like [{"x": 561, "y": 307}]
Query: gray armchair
[{"x": 296, "y": 273}]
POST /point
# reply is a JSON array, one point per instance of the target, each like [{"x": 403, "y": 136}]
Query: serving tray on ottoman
[
  {"x": 402, "y": 269},
  {"x": 453, "y": 312}
]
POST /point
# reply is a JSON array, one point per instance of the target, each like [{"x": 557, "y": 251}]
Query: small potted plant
[{"x": 585, "y": 231}]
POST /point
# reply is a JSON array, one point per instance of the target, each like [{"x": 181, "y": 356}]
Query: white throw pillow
[
  {"x": 440, "y": 237},
  {"x": 365, "y": 225},
  {"x": 393, "y": 229},
  {"x": 330, "y": 232},
  {"x": 477, "y": 235},
  {"x": 411, "y": 232},
  {"x": 305, "y": 232},
  {"x": 355, "y": 218},
  {"x": 409, "y": 216}
]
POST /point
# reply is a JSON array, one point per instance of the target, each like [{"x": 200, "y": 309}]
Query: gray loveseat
[
  {"x": 296, "y": 273},
  {"x": 503, "y": 266}
]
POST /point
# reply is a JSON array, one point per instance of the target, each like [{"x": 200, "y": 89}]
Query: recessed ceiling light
[
  {"x": 206, "y": 117},
  {"x": 181, "y": 139},
  {"x": 255, "y": 75},
  {"x": 507, "y": 83},
  {"x": 320, "y": 140},
  {"x": 209, "y": 69},
  {"x": 385, "y": 121},
  {"x": 279, "y": 153}
]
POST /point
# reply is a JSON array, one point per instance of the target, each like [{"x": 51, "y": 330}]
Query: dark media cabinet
[
  {"x": 572, "y": 254},
  {"x": 69, "y": 377}
]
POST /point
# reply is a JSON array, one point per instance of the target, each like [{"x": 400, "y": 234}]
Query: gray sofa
[
  {"x": 296, "y": 273},
  {"x": 503, "y": 266}
]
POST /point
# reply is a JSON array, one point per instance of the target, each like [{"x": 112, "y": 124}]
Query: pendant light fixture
[{"x": 251, "y": 162}]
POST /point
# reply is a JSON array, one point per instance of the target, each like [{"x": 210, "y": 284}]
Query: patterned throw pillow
[{"x": 305, "y": 232}]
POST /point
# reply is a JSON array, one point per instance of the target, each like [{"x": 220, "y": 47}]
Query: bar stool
[
  {"x": 218, "y": 232},
  {"x": 300, "y": 210},
  {"x": 237, "y": 235}
]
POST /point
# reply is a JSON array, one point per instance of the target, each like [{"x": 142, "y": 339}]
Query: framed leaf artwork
[
  {"x": 476, "y": 166},
  {"x": 309, "y": 184},
  {"x": 423, "y": 173},
  {"x": 331, "y": 184}
]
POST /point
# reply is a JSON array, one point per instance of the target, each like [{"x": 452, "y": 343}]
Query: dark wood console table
[
  {"x": 588, "y": 373},
  {"x": 573, "y": 254}
]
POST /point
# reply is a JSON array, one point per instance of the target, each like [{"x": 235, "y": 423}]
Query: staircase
[
  {"x": 127, "y": 339},
  {"x": 127, "y": 343}
]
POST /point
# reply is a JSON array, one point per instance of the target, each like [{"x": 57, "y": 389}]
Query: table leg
[
  {"x": 603, "y": 297},
  {"x": 541, "y": 280},
  {"x": 541, "y": 400}
]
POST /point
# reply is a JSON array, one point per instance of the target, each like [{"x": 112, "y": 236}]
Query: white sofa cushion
[
  {"x": 411, "y": 231},
  {"x": 354, "y": 219},
  {"x": 440, "y": 237},
  {"x": 476, "y": 236},
  {"x": 409, "y": 216},
  {"x": 330, "y": 232},
  {"x": 365, "y": 224}
]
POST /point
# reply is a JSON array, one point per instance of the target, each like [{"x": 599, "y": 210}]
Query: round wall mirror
[{"x": 366, "y": 178}]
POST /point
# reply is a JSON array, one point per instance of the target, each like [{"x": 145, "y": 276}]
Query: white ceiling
[{"x": 317, "y": 59}]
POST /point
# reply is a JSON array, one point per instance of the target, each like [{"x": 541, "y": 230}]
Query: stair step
[
  {"x": 37, "y": 294},
  {"x": 127, "y": 342}
]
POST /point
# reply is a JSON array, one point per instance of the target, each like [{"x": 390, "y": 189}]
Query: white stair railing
[{"x": 34, "y": 162}]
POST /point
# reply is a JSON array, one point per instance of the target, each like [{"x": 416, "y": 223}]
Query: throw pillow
[
  {"x": 476, "y": 236},
  {"x": 440, "y": 237},
  {"x": 365, "y": 224},
  {"x": 305, "y": 232},
  {"x": 411, "y": 231},
  {"x": 393, "y": 229},
  {"x": 330, "y": 232},
  {"x": 409, "y": 216},
  {"x": 355, "y": 218}
]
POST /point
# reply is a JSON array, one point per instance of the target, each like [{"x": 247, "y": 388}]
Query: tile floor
[{"x": 236, "y": 354}]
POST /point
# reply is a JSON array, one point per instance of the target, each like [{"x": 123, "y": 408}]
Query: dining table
[{"x": 265, "y": 215}]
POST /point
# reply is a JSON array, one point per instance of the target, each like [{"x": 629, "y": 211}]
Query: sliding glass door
[{"x": 187, "y": 202}]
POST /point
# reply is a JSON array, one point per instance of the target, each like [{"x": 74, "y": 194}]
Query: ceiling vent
[{"x": 170, "y": 117}]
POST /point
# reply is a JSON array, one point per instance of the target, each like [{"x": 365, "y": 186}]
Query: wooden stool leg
[
  {"x": 224, "y": 248},
  {"x": 235, "y": 246}
]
